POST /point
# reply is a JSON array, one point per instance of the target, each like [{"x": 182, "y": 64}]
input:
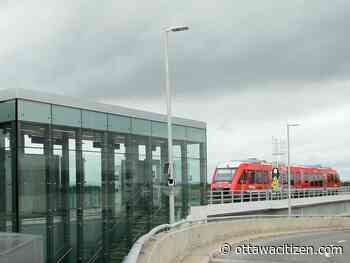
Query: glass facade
[{"x": 92, "y": 182}]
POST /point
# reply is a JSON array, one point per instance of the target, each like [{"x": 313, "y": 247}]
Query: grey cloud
[
  {"x": 245, "y": 67},
  {"x": 116, "y": 49}
]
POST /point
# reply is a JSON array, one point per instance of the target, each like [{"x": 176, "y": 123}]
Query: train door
[
  {"x": 306, "y": 182},
  {"x": 251, "y": 179},
  {"x": 260, "y": 179},
  {"x": 243, "y": 180}
]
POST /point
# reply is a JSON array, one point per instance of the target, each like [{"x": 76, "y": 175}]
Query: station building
[{"x": 89, "y": 177}]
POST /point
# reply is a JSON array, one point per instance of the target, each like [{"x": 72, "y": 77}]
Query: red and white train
[{"x": 257, "y": 175}]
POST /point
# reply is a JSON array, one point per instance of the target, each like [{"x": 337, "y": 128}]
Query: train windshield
[{"x": 225, "y": 175}]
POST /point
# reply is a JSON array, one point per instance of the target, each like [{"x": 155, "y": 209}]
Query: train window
[
  {"x": 301, "y": 177},
  {"x": 258, "y": 177},
  {"x": 266, "y": 177},
  {"x": 283, "y": 179},
  {"x": 311, "y": 179},
  {"x": 329, "y": 178},
  {"x": 315, "y": 180},
  {"x": 251, "y": 177},
  {"x": 306, "y": 178},
  {"x": 224, "y": 175},
  {"x": 261, "y": 177},
  {"x": 292, "y": 178},
  {"x": 318, "y": 180},
  {"x": 297, "y": 178}
]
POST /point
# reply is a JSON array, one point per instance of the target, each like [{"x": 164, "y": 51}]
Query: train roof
[
  {"x": 229, "y": 164},
  {"x": 237, "y": 163}
]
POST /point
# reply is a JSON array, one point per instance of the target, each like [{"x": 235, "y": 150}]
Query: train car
[{"x": 257, "y": 175}]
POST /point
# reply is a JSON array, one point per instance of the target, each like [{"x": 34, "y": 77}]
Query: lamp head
[{"x": 177, "y": 28}]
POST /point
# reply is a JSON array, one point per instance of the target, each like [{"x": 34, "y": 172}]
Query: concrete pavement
[{"x": 314, "y": 239}]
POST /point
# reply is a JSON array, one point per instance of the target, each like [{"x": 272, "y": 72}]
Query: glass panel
[
  {"x": 178, "y": 180},
  {"x": 119, "y": 142},
  {"x": 142, "y": 152},
  {"x": 119, "y": 123},
  {"x": 159, "y": 129},
  {"x": 63, "y": 191},
  {"x": 193, "y": 150},
  {"x": 195, "y": 134},
  {"x": 186, "y": 184},
  {"x": 160, "y": 190},
  {"x": 141, "y": 127},
  {"x": 92, "y": 158},
  {"x": 7, "y": 111},
  {"x": 94, "y": 120},
  {"x": 6, "y": 183},
  {"x": 34, "y": 111},
  {"x": 72, "y": 199},
  {"x": 118, "y": 228},
  {"x": 66, "y": 116},
  {"x": 137, "y": 187},
  {"x": 32, "y": 181},
  {"x": 179, "y": 132},
  {"x": 194, "y": 173}
]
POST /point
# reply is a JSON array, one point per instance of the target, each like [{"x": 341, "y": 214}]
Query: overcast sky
[{"x": 245, "y": 67}]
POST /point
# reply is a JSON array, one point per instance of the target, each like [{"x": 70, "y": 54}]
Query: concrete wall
[{"x": 184, "y": 243}]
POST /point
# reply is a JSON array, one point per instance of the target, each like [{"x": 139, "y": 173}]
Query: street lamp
[
  {"x": 288, "y": 155},
  {"x": 170, "y": 139}
]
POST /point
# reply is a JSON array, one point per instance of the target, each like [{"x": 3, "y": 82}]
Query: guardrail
[
  {"x": 237, "y": 196},
  {"x": 228, "y": 196},
  {"x": 181, "y": 239},
  {"x": 138, "y": 245}
]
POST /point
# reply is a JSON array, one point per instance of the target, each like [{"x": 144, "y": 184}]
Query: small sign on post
[
  {"x": 171, "y": 181},
  {"x": 275, "y": 172},
  {"x": 275, "y": 176}
]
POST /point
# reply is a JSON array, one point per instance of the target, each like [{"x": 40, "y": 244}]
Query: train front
[{"x": 223, "y": 176}]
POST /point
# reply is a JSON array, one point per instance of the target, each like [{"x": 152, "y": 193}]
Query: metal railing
[
  {"x": 228, "y": 196},
  {"x": 138, "y": 246},
  {"x": 236, "y": 196}
]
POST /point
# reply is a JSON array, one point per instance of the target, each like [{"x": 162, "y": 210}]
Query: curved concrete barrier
[{"x": 194, "y": 242}]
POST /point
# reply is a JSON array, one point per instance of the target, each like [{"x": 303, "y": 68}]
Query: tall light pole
[
  {"x": 170, "y": 139},
  {"x": 288, "y": 156}
]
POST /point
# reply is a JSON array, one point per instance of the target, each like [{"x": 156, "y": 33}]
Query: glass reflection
[{"x": 91, "y": 194}]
